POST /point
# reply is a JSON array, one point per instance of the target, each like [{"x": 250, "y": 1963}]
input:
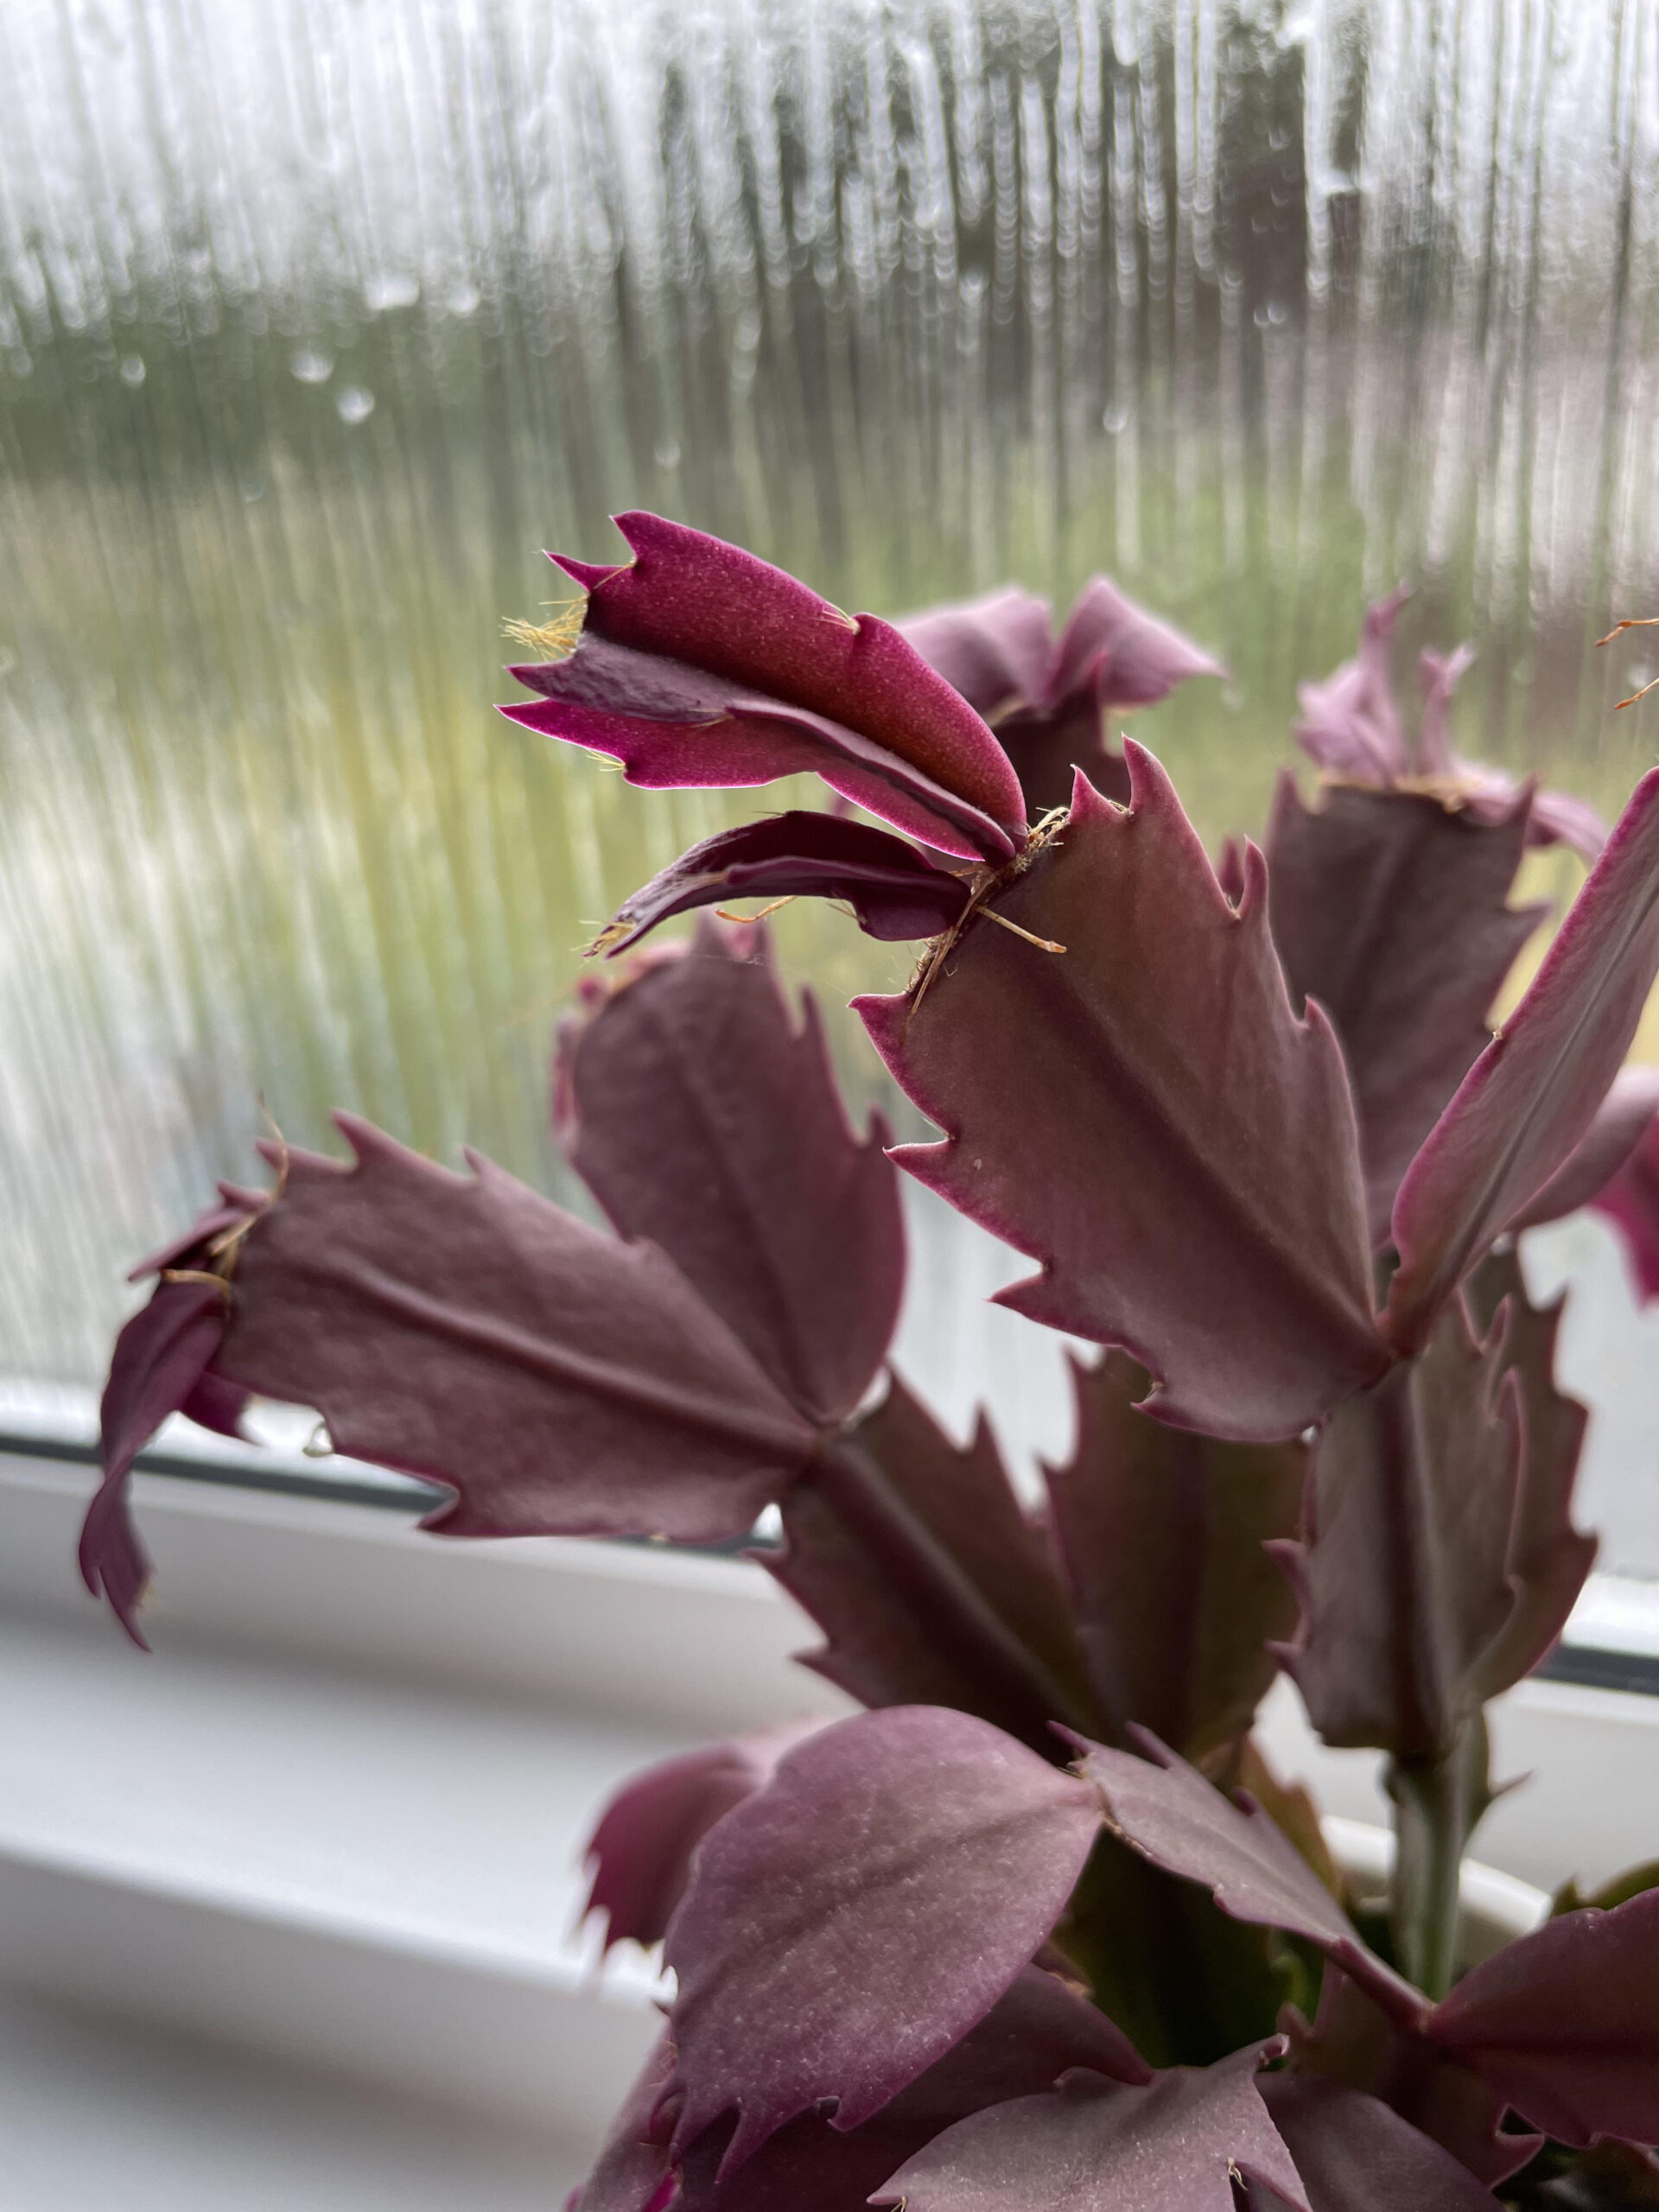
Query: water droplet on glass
[
  {"x": 666, "y": 454},
  {"x": 390, "y": 291},
  {"x": 461, "y": 299},
  {"x": 354, "y": 404},
  {"x": 1114, "y": 420},
  {"x": 132, "y": 369},
  {"x": 312, "y": 367}
]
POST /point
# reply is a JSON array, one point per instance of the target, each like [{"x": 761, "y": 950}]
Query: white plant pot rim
[{"x": 1496, "y": 1907}]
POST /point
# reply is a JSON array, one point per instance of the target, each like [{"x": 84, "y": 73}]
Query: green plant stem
[{"x": 1437, "y": 1802}]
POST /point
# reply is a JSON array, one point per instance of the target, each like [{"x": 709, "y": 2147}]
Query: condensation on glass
[{"x": 317, "y": 322}]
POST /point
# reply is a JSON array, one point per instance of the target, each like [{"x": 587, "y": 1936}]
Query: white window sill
[{"x": 336, "y": 1818}]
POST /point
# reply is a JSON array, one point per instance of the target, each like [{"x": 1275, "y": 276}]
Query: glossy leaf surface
[
  {"x": 1191, "y": 1186},
  {"x": 465, "y": 1329},
  {"x": 1096, "y": 2146},
  {"x": 849, "y": 1923},
  {"x": 1533, "y": 1092},
  {"x": 1160, "y": 1534},
  {"x": 702, "y": 1114}
]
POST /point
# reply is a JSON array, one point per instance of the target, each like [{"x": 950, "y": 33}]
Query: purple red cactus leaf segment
[
  {"x": 1564, "y": 2025},
  {"x": 1549, "y": 1560},
  {"x": 1394, "y": 914},
  {"x": 1030, "y": 2037},
  {"x": 1089, "y": 1130},
  {"x": 1354, "y": 2043},
  {"x": 1630, "y": 1202},
  {"x": 465, "y": 1329},
  {"x": 1115, "y": 652},
  {"x": 1160, "y": 1535},
  {"x": 1403, "y": 1570},
  {"x": 894, "y": 891},
  {"x": 160, "y": 1358},
  {"x": 852, "y": 1921},
  {"x": 1092, "y": 2145},
  {"x": 675, "y": 727},
  {"x": 1533, "y": 1092},
  {"x": 1351, "y": 724},
  {"x": 693, "y": 599},
  {"x": 641, "y": 1850},
  {"x": 995, "y": 650},
  {"x": 703, "y": 1116},
  {"x": 1623, "y": 1119},
  {"x": 914, "y": 1558},
  {"x": 1164, "y": 1809},
  {"x": 1354, "y": 2154},
  {"x": 633, "y": 2172}
]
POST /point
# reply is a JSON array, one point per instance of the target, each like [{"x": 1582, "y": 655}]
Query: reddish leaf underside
[
  {"x": 1534, "y": 1091},
  {"x": 1144, "y": 1114},
  {"x": 703, "y": 1116},
  {"x": 849, "y": 1923},
  {"x": 466, "y": 1330},
  {"x": 894, "y": 891}
]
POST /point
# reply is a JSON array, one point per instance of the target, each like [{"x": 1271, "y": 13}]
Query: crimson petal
[
  {"x": 703, "y": 1116},
  {"x": 1535, "y": 1091},
  {"x": 894, "y": 891},
  {"x": 849, "y": 1923},
  {"x": 1086, "y": 1125}
]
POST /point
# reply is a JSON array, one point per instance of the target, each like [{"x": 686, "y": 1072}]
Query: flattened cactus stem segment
[
  {"x": 1438, "y": 1802},
  {"x": 847, "y": 1478}
]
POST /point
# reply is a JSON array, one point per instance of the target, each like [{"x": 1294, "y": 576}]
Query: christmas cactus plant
[{"x": 1038, "y": 1929}]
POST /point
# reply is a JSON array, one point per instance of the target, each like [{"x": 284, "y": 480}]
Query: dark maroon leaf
[
  {"x": 1631, "y": 1201},
  {"x": 160, "y": 1367},
  {"x": 1190, "y": 1185},
  {"x": 464, "y": 1329},
  {"x": 1354, "y": 2154},
  {"x": 159, "y": 1360},
  {"x": 1393, "y": 913},
  {"x": 1624, "y": 1118},
  {"x": 894, "y": 889},
  {"x": 1175, "y": 2146},
  {"x": 1126, "y": 657},
  {"x": 1565, "y": 2024},
  {"x": 930, "y": 1584},
  {"x": 1549, "y": 1559},
  {"x": 1165, "y": 1810},
  {"x": 849, "y": 1923},
  {"x": 1029, "y": 2039},
  {"x": 1403, "y": 1571},
  {"x": 1534, "y": 1091},
  {"x": 1160, "y": 1534},
  {"x": 633, "y": 2172},
  {"x": 1354, "y": 2042},
  {"x": 1048, "y": 746},
  {"x": 643, "y": 1844},
  {"x": 703, "y": 1116},
  {"x": 699, "y": 664}
]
